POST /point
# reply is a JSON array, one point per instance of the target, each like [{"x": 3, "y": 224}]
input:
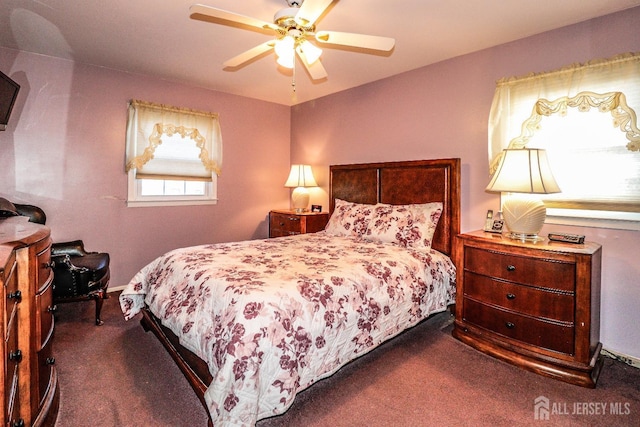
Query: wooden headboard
[{"x": 403, "y": 183}]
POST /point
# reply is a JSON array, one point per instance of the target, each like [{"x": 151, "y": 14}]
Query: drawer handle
[
  {"x": 15, "y": 355},
  {"x": 50, "y": 361},
  {"x": 17, "y": 295},
  {"x": 50, "y": 264},
  {"x": 281, "y": 224},
  {"x": 294, "y": 218},
  {"x": 510, "y": 325},
  {"x": 18, "y": 423},
  {"x": 511, "y": 268},
  {"x": 52, "y": 308},
  {"x": 511, "y": 296}
]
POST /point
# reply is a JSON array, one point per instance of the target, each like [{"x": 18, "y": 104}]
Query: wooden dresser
[
  {"x": 288, "y": 223},
  {"x": 29, "y": 380},
  {"x": 535, "y": 305}
]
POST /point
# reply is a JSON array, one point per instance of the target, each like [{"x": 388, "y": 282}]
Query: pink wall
[
  {"x": 64, "y": 151},
  {"x": 442, "y": 111}
]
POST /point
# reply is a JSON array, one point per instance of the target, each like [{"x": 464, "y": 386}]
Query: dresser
[
  {"x": 29, "y": 380},
  {"x": 289, "y": 222},
  {"x": 535, "y": 305}
]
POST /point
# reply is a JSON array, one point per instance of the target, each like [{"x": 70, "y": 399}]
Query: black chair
[{"x": 78, "y": 275}]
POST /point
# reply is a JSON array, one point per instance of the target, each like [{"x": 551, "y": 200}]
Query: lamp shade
[
  {"x": 310, "y": 52},
  {"x": 301, "y": 176},
  {"x": 524, "y": 170},
  {"x": 285, "y": 52}
]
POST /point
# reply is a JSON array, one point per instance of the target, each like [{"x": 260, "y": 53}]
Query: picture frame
[
  {"x": 316, "y": 208},
  {"x": 497, "y": 226}
]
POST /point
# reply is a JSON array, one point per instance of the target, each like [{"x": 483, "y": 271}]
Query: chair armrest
[
  {"x": 73, "y": 248},
  {"x": 34, "y": 213},
  {"x": 64, "y": 259}
]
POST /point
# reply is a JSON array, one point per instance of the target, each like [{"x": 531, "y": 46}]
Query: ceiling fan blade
[
  {"x": 356, "y": 40},
  {"x": 315, "y": 70},
  {"x": 250, "y": 54},
  {"x": 203, "y": 12},
  {"x": 311, "y": 10}
]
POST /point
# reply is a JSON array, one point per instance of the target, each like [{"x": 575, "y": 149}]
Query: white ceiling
[{"x": 158, "y": 38}]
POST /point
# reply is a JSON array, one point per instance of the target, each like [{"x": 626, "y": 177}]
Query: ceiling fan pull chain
[{"x": 293, "y": 79}]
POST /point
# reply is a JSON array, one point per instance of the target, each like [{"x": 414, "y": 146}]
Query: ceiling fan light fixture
[
  {"x": 286, "y": 61},
  {"x": 284, "y": 46},
  {"x": 311, "y": 53},
  {"x": 284, "y": 49}
]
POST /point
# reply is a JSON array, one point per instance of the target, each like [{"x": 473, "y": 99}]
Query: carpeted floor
[{"x": 118, "y": 375}]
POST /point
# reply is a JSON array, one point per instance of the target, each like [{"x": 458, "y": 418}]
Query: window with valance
[
  {"x": 584, "y": 115},
  {"x": 172, "y": 153}
]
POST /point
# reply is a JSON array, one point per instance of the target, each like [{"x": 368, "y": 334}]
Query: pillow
[
  {"x": 349, "y": 219},
  {"x": 7, "y": 208},
  {"x": 411, "y": 226}
]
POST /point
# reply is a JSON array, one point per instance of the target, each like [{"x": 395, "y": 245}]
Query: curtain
[
  {"x": 520, "y": 103},
  {"x": 165, "y": 142}
]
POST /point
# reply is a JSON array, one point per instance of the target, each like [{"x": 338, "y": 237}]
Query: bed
[{"x": 250, "y": 324}]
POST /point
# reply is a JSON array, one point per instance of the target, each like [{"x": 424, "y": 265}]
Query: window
[
  {"x": 174, "y": 155},
  {"x": 584, "y": 115}
]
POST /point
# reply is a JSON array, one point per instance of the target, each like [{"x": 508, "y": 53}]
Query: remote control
[{"x": 568, "y": 238}]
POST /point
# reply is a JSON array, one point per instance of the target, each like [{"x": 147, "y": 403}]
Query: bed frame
[{"x": 398, "y": 183}]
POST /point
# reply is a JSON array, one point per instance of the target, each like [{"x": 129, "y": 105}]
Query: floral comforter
[{"x": 271, "y": 317}]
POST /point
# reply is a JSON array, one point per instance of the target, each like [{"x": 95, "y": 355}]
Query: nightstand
[
  {"x": 289, "y": 222},
  {"x": 534, "y": 305}
]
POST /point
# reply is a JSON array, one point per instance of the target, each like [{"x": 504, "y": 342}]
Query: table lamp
[
  {"x": 523, "y": 173},
  {"x": 300, "y": 178}
]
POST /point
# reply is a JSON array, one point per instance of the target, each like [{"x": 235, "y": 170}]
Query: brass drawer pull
[
  {"x": 17, "y": 295},
  {"x": 50, "y": 361},
  {"x": 18, "y": 423},
  {"x": 15, "y": 355},
  {"x": 511, "y": 296},
  {"x": 510, "y": 325},
  {"x": 511, "y": 268},
  {"x": 52, "y": 308}
]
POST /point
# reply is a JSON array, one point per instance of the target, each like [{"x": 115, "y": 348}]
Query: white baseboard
[
  {"x": 629, "y": 360},
  {"x": 115, "y": 289}
]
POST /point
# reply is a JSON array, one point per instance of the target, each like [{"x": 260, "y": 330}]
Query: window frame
[
  {"x": 136, "y": 199},
  {"x": 147, "y": 124}
]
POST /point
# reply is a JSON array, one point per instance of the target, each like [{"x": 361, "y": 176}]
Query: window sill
[
  {"x": 152, "y": 203},
  {"x": 596, "y": 219}
]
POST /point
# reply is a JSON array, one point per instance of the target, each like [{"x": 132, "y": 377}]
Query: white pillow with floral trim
[
  {"x": 349, "y": 219},
  {"x": 411, "y": 226}
]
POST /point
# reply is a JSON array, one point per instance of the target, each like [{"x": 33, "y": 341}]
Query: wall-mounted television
[{"x": 8, "y": 94}]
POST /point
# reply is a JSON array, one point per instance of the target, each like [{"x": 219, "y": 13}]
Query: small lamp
[
  {"x": 300, "y": 178},
  {"x": 523, "y": 172}
]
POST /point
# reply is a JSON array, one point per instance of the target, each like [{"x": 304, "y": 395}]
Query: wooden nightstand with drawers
[
  {"x": 535, "y": 305},
  {"x": 289, "y": 222}
]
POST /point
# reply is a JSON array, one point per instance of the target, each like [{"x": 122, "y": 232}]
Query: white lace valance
[
  {"x": 171, "y": 142},
  {"x": 520, "y": 103}
]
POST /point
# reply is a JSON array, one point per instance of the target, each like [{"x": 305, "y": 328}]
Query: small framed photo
[
  {"x": 497, "y": 226},
  {"x": 316, "y": 208}
]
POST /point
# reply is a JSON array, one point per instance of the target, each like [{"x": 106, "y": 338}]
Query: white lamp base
[
  {"x": 300, "y": 199},
  {"x": 524, "y": 216}
]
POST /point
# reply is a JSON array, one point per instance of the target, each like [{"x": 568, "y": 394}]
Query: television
[{"x": 8, "y": 94}]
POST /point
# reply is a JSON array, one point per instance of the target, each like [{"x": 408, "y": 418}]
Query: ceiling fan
[{"x": 293, "y": 26}]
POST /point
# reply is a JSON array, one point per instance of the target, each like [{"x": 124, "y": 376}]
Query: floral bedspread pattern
[{"x": 271, "y": 317}]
